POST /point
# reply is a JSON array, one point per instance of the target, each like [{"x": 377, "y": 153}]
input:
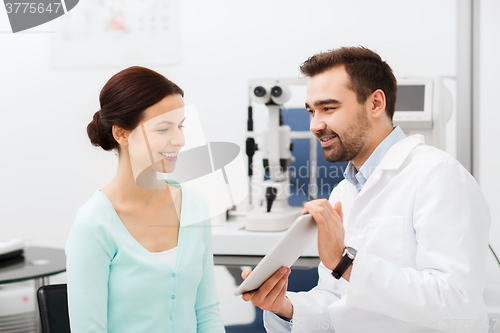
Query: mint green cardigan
[{"x": 116, "y": 285}]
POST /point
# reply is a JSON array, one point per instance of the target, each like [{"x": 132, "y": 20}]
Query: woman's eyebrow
[{"x": 169, "y": 122}]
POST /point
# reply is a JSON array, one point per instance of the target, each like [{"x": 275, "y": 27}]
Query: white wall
[
  {"x": 487, "y": 159},
  {"x": 49, "y": 169}
]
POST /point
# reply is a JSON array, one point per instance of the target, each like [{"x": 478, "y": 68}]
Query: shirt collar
[{"x": 358, "y": 179}]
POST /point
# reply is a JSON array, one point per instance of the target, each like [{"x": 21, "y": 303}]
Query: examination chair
[
  {"x": 299, "y": 280},
  {"x": 53, "y": 306}
]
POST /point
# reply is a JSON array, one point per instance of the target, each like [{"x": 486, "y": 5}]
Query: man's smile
[{"x": 327, "y": 140}]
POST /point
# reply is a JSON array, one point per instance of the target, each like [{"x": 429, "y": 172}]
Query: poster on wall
[{"x": 103, "y": 33}]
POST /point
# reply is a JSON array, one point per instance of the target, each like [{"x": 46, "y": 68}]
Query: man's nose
[{"x": 317, "y": 125}]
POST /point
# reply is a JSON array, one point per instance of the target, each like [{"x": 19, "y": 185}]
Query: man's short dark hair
[{"x": 365, "y": 68}]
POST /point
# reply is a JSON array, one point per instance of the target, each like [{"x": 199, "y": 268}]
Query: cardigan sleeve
[
  {"x": 207, "y": 302},
  {"x": 88, "y": 257}
]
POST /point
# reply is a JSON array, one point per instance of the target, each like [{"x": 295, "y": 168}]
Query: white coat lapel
[{"x": 393, "y": 159}]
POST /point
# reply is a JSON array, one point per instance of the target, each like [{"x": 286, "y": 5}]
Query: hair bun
[{"x": 98, "y": 133}]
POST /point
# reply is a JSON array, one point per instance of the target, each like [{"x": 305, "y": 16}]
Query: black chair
[{"x": 53, "y": 306}]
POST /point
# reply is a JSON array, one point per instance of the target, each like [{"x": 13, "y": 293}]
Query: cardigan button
[
  {"x": 173, "y": 296},
  {"x": 174, "y": 275},
  {"x": 171, "y": 317}
]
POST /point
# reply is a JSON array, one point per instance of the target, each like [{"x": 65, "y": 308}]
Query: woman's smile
[{"x": 169, "y": 156}]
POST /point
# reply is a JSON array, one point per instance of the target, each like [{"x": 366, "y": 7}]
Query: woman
[{"x": 139, "y": 253}]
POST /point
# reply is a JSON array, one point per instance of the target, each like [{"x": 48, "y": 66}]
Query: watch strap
[{"x": 343, "y": 265}]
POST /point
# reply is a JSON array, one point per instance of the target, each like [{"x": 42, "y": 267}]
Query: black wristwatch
[{"x": 345, "y": 262}]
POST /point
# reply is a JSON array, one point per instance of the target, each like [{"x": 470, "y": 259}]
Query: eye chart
[{"x": 103, "y": 33}]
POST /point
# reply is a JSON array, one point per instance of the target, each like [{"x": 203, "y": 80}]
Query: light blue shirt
[
  {"x": 358, "y": 179},
  {"x": 117, "y": 285}
]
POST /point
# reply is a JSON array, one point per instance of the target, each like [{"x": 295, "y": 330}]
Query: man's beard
[{"x": 352, "y": 141}]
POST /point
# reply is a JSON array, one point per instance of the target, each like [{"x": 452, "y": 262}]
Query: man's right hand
[{"x": 272, "y": 294}]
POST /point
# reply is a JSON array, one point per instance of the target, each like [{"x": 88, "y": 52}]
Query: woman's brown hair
[{"x": 123, "y": 99}]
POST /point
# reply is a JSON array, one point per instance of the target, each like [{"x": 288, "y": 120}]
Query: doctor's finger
[
  {"x": 311, "y": 205},
  {"x": 319, "y": 205},
  {"x": 245, "y": 274},
  {"x": 278, "y": 302},
  {"x": 271, "y": 282},
  {"x": 305, "y": 209},
  {"x": 338, "y": 209},
  {"x": 265, "y": 301},
  {"x": 275, "y": 292},
  {"x": 248, "y": 296},
  {"x": 324, "y": 216},
  {"x": 331, "y": 214}
]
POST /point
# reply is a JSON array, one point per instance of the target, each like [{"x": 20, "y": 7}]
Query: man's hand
[
  {"x": 272, "y": 294},
  {"x": 330, "y": 231}
]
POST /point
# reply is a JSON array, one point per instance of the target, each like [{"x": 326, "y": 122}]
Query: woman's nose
[{"x": 178, "y": 139}]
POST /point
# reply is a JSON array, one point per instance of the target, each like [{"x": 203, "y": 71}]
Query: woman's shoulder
[
  {"x": 94, "y": 212},
  {"x": 91, "y": 226}
]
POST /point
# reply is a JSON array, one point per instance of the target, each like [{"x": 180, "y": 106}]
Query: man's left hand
[{"x": 330, "y": 230}]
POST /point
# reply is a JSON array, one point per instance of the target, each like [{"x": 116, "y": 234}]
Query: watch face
[{"x": 351, "y": 253}]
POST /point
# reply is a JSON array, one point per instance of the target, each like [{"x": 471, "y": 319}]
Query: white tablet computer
[{"x": 284, "y": 253}]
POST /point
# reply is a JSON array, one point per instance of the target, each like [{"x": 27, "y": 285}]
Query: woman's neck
[{"x": 145, "y": 189}]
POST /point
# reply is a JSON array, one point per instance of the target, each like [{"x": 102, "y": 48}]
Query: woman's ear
[{"x": 120, "y": 135}]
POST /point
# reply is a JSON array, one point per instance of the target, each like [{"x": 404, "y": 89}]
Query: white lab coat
[{"x": 420, "y": 226}]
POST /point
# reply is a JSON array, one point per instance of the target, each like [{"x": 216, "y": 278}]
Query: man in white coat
[{"x": 403, "y": 239}]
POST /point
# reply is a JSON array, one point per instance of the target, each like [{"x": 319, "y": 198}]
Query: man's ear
[{"x": 376, "y": 104}]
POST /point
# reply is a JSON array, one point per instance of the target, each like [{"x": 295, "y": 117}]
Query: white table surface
[{"x": 231, "y": 238}]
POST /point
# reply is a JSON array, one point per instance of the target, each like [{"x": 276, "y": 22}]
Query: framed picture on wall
[{"x": 103, "y": 33}]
